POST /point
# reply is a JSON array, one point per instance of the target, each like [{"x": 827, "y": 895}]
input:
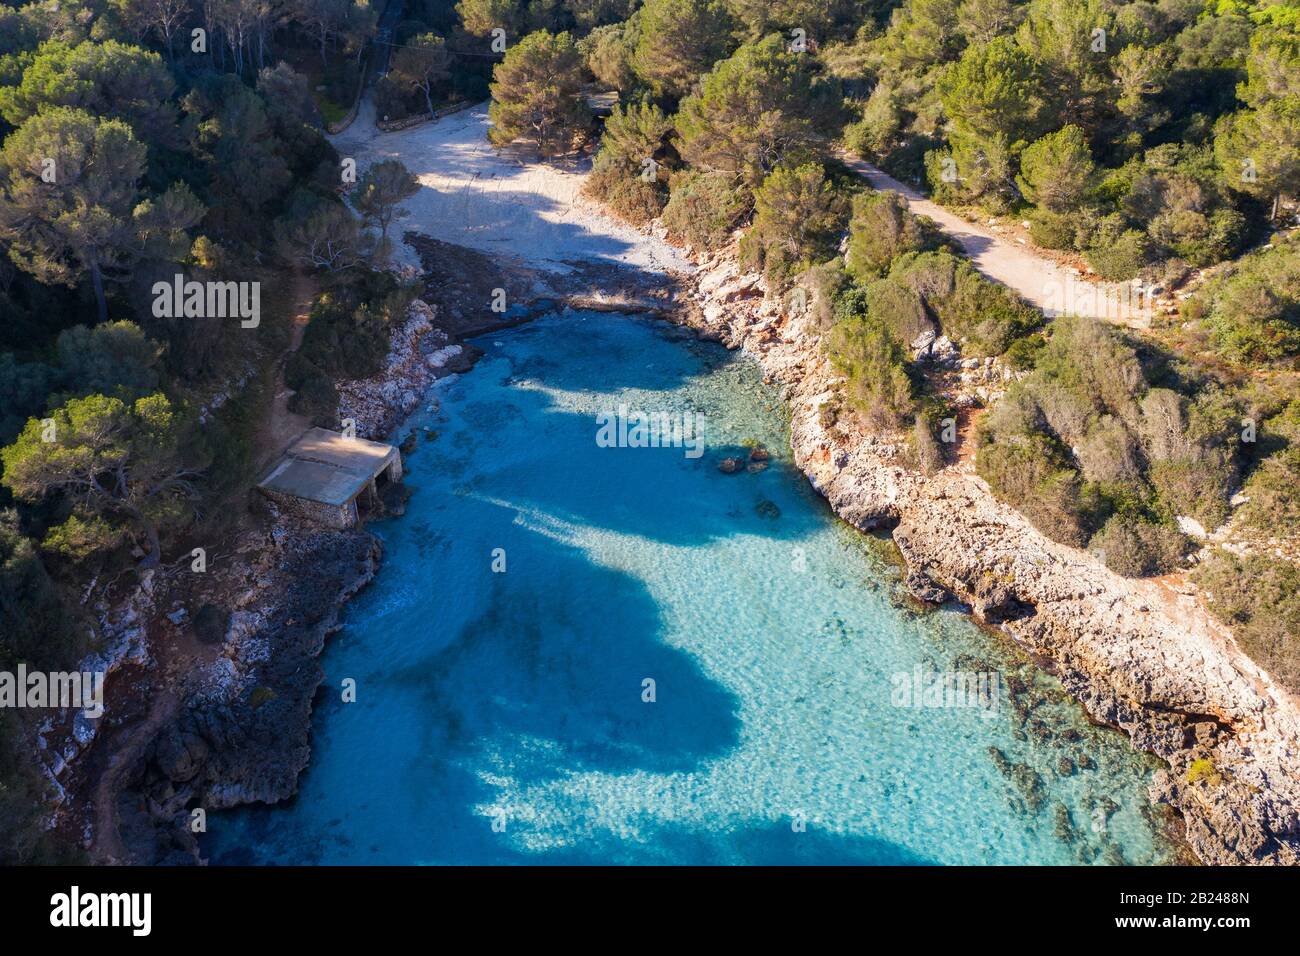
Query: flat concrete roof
[
  {"x": 356, "y": 455},
  {"x": 326, "y": 467},
  {"x": 314, "y": 482}
]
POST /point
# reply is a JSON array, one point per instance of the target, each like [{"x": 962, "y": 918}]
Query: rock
[
  {"x": 408, "y": 443},
  {"x": 944, "y": 352},
  {"x": 1064, "y": 767},
  {"x": 1063, "y": 826},
  {"x": 393, "y": 497},
  {"x": 741, "y": 287},
  {"x": 759, "y": 453},
  {"x": 1000, "y": 761},
  {"x": 754, "y": 467},
  {"x": 923, "y": 589},
  {"x": 210, "y": 624},
  {"x": 923, "y": 344},
  {"x": 767, "y": 509},
  {"x": 730, "y": 466}
]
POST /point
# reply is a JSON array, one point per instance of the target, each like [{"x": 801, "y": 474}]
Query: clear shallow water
[{"x": 772, "y": 633}]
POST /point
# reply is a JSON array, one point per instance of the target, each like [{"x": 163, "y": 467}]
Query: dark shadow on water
[
  {"x": 558, "y": 661},
  {"x": 662, "y": 494},
  {"x": 545, "y": 680},
  {"x": 605, "y": 352}
]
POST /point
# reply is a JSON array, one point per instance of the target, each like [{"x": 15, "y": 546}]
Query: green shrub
[
  {"x": 704, "y": 208},
  {"x": 1085, "y": 357},
  {"x": 1120, "y": 257},
  {"x": 1051, "y": 230},
  {"x": 631, "y": 169},
  {"x": 825, "y": 283},
  {"x": 23, "y": 387},
  {"x": 1056, "y": 171},
  {"x": 1109, "y": 451},
  {"x": 1197, "y": 488},
  {"x": 348, "y": 337},
  {"x": 350, "y": 326},
  {"x": 1260, "y": 598},
  {"x": 78, "y": 538},
  {"x": 881, "y": 229},
  {"x": 1274, "y": 505},
  {"x": 1191, "y": 449},
  {"x": 37, "y": 628},
  {"x": 1138, "y": 548},
  {"x": 1022, "y": 354},
  {"x": 1124, "y": 459},
  {"x": 799, "y": 216},
  {"x": 931, "y": 454},
  {"x": 983, "y": 317},
  {"x": 899, "y": 308},
  {"x": 1033, "y": 472},
  {"x": 115, "y": 358},
  {"x": 1253, "y": 312},
  {"x": 315, "y": 396},
  {"x": 865, "y": 351},
  {"x": 626, "y": 194}
]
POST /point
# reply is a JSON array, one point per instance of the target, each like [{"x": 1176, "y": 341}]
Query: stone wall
[{"x": 331, "y": 516}]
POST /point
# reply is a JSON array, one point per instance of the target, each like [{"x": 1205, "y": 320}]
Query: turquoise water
[{"x": 499, "y": 716}]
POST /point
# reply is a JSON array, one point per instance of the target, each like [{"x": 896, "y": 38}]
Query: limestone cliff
[{"x": 1140, "y": 655}]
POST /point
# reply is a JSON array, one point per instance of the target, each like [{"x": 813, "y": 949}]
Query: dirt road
[{"x": 1039, "y": 281}]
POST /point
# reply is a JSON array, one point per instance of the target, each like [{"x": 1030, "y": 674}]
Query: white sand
[{"x": 498, "y": 201}]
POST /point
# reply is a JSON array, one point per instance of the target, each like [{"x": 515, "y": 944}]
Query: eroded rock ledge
[
  {"x": 213, "y": 676},
  {"x": 1140, "y": 655}
]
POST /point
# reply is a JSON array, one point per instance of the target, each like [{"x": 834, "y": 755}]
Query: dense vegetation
[
  {"x": 140, "y": 139},
  {"x": 1148, "y": 139}
]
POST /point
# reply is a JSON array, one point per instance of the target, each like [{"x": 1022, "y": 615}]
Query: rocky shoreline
[
  {"x": 226, "y": 721},
  {"x": 1140, "y": 656},
  {"x": 213, "y": 676}
]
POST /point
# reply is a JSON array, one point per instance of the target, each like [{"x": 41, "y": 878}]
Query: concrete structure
[{"x": 327, "y": 477}]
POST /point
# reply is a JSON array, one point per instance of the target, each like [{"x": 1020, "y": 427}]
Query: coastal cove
[{"x": 500, "y": 715}]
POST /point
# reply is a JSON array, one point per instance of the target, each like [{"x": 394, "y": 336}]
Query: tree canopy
[{"x": 537, "y": 94}]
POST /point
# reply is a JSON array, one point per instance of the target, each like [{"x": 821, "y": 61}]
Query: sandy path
[
  {"x": 506, "y": 203},
  {"x": 281, "y": 425},
  {"x": 499, "y": 201},
  {"x": 1039, "y": 281}
]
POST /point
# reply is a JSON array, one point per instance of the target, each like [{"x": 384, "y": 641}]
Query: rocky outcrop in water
[
  {"x": 1140, "y": 655},
  {"x": 239, "y": 732}
]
